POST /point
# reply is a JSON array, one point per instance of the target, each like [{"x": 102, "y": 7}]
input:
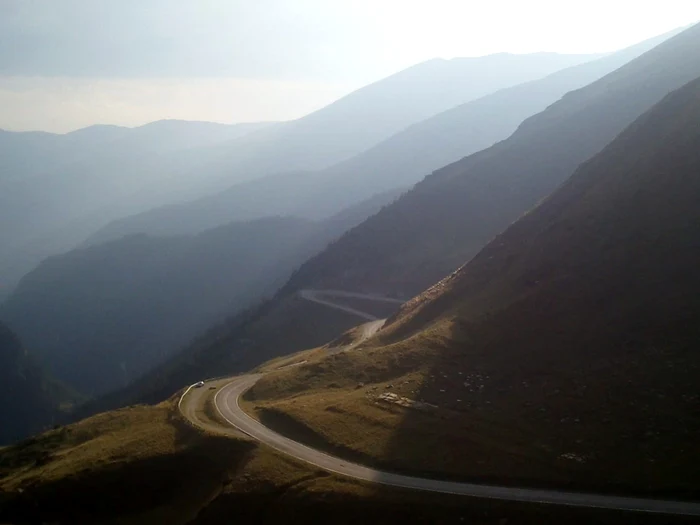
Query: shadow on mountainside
[
  {"x": 140, "y": 465},
  {"x": 145, "y": 465},
  {"x": 566, "y": 350},
  {"x": 562, "y": 355}
]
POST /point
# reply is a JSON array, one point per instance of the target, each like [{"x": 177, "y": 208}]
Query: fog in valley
[{"x": 393, "y": 212}]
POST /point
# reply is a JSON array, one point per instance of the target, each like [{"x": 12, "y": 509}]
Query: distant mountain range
[
  {"x": 400, "y": 160},
  {"x": 373, "y": 113},
  {"x": 56, "y": 190}
]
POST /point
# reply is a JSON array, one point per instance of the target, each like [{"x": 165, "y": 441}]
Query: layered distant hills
[
  {"x": 400, "y": 160},
  {"x": 58, "y": 189},
  {"x": 373, "y": 113}
]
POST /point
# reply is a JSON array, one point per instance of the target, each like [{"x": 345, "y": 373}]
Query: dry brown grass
[
  {"x": 346, "y": 341},
  {"x": 140, "y": 465},
  {"x": 136, "y": 465},
  {"x": 143, "y": 465},
  {"x": 364, "y": 364},
  {"x": 439, "y": 442},
  {"x": 291, "y": 360},
  {"x": 142, "y": 431},
  {"x": 495, "y": 429}
]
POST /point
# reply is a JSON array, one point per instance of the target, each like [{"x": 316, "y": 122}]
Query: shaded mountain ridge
[
  {"x": 455, "y": 211},
  {"x": 563, "y": 352}
]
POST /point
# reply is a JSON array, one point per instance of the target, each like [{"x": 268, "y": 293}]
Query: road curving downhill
[{"x": 226, "y": 403}]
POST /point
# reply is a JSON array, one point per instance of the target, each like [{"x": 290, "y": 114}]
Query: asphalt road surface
[
  {"x": 226, "y": 402},
  {"x": 324, "y": 297}
]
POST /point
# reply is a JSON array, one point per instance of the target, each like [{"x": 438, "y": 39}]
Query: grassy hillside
[
  {"x": 563, "y": 353},
  {"x": 144, "y": 465},
  {"x": 137, "y": 465}
]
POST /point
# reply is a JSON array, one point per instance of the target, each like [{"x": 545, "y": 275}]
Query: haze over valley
[{"x": 418, "y": 264}]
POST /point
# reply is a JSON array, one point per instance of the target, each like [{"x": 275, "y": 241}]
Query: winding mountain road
[
  {"x": 324, "y": 297},
  {"x": 226, "y": 403}
]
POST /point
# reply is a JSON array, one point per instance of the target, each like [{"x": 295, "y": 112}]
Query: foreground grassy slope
[
  {"x": 564, "y": 353},
  {"x": 136, "y": 463},
  {"x": 144, "y": 465}
]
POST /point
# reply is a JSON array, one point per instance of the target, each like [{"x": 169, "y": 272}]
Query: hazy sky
[{"x": 66, "y": 64}]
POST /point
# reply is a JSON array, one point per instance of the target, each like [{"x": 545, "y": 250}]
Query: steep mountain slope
[
  {"x": 451, "y": 214},
  {"x": 400, "y": 160},
  {"x": 408, "y": 156},
  {"x": 101, "y": 316},
  {"x": 27, "y": 402},
  {"x": 446, "y": 218},
  {"x": 566, "y": 349}
]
